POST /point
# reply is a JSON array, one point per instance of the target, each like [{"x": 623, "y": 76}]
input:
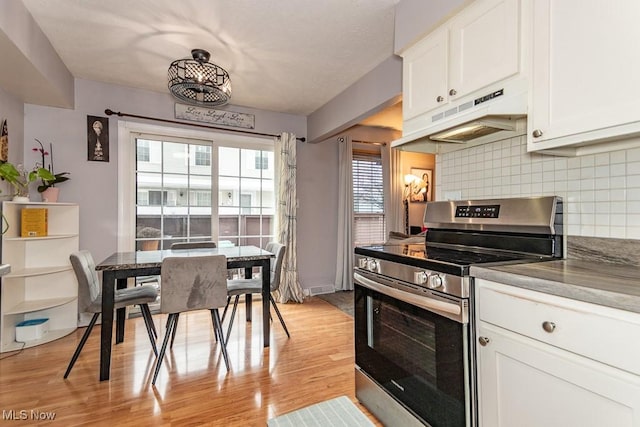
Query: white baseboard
[{"x": 318, "y": 290}]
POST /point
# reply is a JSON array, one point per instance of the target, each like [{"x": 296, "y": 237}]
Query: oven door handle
[{"x": 423, "y": 301}]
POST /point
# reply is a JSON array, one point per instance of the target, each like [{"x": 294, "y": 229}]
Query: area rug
[{"x": 335, "y": 412}]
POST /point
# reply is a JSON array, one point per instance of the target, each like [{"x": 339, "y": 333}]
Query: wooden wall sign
[{"x": 218, "y": 117}]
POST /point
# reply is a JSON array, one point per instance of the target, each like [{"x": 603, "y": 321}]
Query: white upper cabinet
[
  {"x": 424, "y": 75},
  {"x": 476, "y": 48},
  {"x": 484, "y": 45},
  {"x": 585, "y": 84}
]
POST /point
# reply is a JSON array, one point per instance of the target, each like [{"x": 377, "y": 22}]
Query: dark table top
[{"x": 150, "y": 259}]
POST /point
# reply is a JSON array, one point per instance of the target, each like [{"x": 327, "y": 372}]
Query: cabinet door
[
  {"x": 525, "y": 383},
  {"x": 485, "y": 45},
  {"x": 424, "y": 75},
  {"x": 585, "y": 85}
]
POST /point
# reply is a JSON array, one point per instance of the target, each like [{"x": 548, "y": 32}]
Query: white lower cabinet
[{"x": 530, "y": 378}]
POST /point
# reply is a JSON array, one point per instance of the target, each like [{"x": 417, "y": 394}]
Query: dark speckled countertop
[{"x": 611, "y": 285}]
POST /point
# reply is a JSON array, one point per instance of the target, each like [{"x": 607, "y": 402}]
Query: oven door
[{"x": 417, "y": 354}]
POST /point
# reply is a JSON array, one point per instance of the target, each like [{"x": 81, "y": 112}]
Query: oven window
[{"x": 416, "y": 355}]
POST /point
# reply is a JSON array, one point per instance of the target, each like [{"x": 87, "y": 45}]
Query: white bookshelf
[{"x": 41, "y": 282}]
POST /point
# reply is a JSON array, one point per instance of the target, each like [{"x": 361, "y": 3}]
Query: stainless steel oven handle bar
[{"x": 448, "y": 309}]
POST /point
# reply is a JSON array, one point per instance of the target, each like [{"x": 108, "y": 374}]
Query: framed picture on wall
[
  {"x": 421, "y": 187},
  {"x": 97, "y": 139}
]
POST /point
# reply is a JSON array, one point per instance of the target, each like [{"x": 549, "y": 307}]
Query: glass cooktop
[{"x": 436, "y": 258}]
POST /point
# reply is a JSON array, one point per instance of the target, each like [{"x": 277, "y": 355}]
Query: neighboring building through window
[
  {"x": 203, "y": 155},
  {"x": 175, "y": 189},
  {"x": 143, "y": 151}
]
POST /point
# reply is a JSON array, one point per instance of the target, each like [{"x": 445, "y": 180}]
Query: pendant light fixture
[{"x": 199, "y": 82}]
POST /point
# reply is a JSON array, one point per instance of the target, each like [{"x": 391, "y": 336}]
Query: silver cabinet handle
[
  {"x": 439, "y": 99},
  {"x": 484, "y": 341},
  {"x": 452, "y": 92},
  {"x": 537, "y": 133},
  {"x": 548, "y": 326}
]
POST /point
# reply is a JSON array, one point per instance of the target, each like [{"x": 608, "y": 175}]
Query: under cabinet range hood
[{"x": 466, "y": 121}]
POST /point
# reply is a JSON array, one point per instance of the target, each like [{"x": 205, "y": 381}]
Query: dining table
[{"x": 120, "y": 266}]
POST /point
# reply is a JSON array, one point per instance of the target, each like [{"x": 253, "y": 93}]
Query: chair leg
[
  {"x": 273, "y": 302},
  {"x": 217, "y": 327},
  {"x": 233, "y": 315},
  {"x": 148, "y": 322},
  {"x": 81, "y": 344},
  {"x": 171, "y": 325},
  {"x": 173, "y": 335},
  {"x": 152, "y": 324},
  {"x": 224, "y": 313},
  {"x": 213, "y": 322}
]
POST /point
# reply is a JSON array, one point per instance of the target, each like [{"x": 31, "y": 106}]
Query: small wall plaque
[{"x": 218, "y": 117}]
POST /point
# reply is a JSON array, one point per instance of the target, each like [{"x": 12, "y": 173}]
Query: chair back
[
  {"x": 276, "y": 263},
  {"x": 193, "y": 283},
  {"x": 193, "y": 245},
  {"x": 88, "y": 282}
]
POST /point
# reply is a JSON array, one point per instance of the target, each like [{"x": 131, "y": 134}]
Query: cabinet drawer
[{"x": 601, "y": 333}]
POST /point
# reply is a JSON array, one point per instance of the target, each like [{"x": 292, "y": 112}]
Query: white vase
[
  {"x": 21, "y": 199},
  {"x": 50, "y": 195}
]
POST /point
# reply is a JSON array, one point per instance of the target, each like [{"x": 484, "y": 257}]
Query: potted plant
[
  {"x": 149, "y": 233},
  {"x": 20, "y": 179},
  {"x": 47, "y": 189}
]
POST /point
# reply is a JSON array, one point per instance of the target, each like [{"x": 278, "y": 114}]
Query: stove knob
[
  {"x": 362, "y": 262},
  {"x": 435, "y": 281},
  {"x": 420, "y": 277},
  {"x": 372, "y": 265}
]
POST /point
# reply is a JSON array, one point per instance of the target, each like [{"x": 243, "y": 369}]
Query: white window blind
[{"x": 368, "y": 199}]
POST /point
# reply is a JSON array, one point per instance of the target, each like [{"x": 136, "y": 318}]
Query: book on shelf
[{"x": 34, "y": 222}]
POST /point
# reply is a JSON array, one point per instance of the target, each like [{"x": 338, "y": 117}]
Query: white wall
[
  {"x": 94, "y": 184},
  {"x": 601, "y": 191}
]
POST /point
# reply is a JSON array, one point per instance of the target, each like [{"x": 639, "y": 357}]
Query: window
[
  {"x": 178, "y": 188},
  {"x": 173, "y": 194},
  {"x": 368, "y": 199},
  {"x": 203, "y": 155},
  {"x": 246, "y": 202}
]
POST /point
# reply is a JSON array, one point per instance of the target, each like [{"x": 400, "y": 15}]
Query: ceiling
[{"x": 289, "y": 56}]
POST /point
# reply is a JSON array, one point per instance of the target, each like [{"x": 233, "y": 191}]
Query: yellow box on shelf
[{"x": 34, "y": 222}]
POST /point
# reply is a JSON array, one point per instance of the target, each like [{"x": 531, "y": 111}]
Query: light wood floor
[{"x": 193, "y": 388}]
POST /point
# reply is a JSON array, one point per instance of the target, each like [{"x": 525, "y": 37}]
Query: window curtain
[
  {"x": 344, "y": 264},
  {"x": 394, "y": 186},
  {"x": 285, "y": 152}
]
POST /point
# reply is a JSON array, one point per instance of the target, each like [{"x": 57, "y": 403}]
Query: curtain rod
[{"x": 109, "y": 112}]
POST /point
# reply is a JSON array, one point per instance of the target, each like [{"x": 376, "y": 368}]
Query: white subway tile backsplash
[
  {"x": 587, "y": 161},
  {"x": 618, "y": 156},
  {"x": 618, "y": 232},
  {"x": 587, "y": 173},
  {"x": 601, "y": 191},
  {"x": 602, "y": 159},
  {"x": 633, "y": 207},
  {"x": 632, "y": 155},
  {"x": 633, "y": 168},
  {"x": 633, "y": 194}
]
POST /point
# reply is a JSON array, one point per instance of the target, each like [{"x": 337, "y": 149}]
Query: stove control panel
[
  {"x": 414, "y": 276},
  {"x": 430, "y": 280},
  {"x": 478, "y": 211},
  {"x": 370, "y": 264}
]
